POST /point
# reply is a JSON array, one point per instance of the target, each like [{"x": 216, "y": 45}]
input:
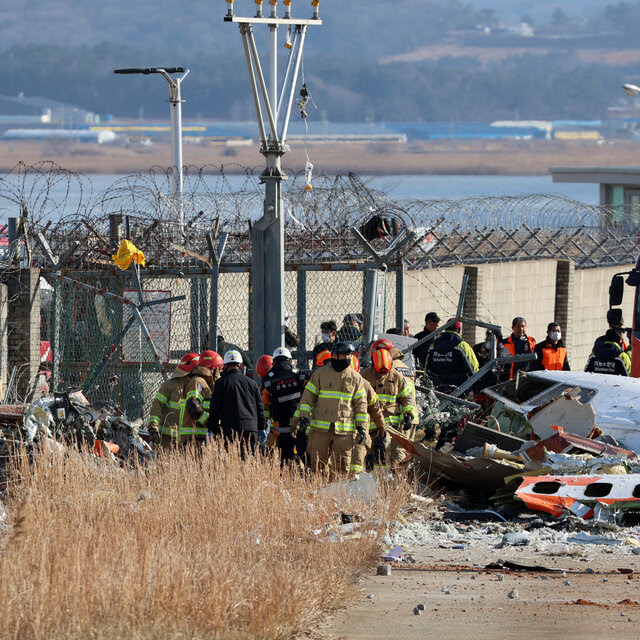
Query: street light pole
[
  {"x": 175, "y": 102},
  {"x": 268, "y": 231}
]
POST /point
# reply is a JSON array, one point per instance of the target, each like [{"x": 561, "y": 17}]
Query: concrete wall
[
  {"x": 590, "y": 304},
  {"x": 23, "y": 340},
  {"x": 524, "y": 289}
]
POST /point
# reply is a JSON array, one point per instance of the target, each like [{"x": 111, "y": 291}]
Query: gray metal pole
[
  {"x": 272, "y": 259},
  {"x": 400, "y": 295},
  {"x": 273, "y": 62},
  {"x": 370, "y": 304},
  {"x": 14, "y": 244},
  {"x": 213, "y": 308}
]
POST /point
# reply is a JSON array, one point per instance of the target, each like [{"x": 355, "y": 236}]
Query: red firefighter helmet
[
  {"x": 263, "y": 365},
  {"x": 382, "y": 361},
  {"x": 209, "y": 359},
  {"x": 382, "y": 343},
  {"x": 323, "y": 357}
]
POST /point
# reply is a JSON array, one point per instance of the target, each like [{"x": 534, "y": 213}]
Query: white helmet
[
  {"x": 281, "y": 352},
  {"x": 233, "y": 357}
]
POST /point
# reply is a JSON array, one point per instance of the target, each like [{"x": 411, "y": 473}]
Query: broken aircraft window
[
  {"x": 548, "y": 488},
  {"x": 598, "y": 489}
]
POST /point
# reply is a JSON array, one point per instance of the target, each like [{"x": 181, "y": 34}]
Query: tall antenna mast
[{"x": 273, "y": 110}]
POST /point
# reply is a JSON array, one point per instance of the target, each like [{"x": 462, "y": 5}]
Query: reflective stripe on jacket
[
  {"x": 609, "y": 358},
  {"x": 166, "y": 406},
  {"x": 374, "y": 407},
  {"x": 450, "y": 360},
  {"x": 197, "y": 393},
  {"x": 337, "y": 397},
  {"x": 394, "y": 393},
  {"x": 407, "y": 374}
]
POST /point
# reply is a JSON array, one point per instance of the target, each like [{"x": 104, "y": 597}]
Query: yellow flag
[{"x": 128, "y": 253}]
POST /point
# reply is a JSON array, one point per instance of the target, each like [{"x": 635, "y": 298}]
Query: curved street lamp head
[{"x": 631, "y": 89}]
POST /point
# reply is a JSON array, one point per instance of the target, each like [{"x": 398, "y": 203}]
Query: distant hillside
[
  {"x": 352, "y": 28},
  {"x": 371, "y": 60}
]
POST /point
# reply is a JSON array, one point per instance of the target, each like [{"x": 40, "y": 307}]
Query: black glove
[
  {"x": 301, "y": 443},
  {"x": 407, "y": 421},
  {"x": 361, "y": 435},
  {"x": 379, "y": 449},
  {"x": 304, "y": 424}
]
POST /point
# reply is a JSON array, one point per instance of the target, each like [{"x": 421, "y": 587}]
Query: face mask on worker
[
  {"x": 326, "y": 337},
  {"x": 523, "y": 338},
  {"x": 555, "y": 336},
  {"x": 488, "y": 345},
  {"x": 340, "y": 365}
]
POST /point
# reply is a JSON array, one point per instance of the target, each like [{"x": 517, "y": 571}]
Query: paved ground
[{"x": 587, "y": 597}]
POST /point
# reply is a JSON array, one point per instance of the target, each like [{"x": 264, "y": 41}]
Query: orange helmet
[
  {"x": 382, "y": 361},
  {"x": 189, "y": 362},
  {"x": 355, "y": 363},
  {"x": 323, "y": 357},
  {"x": 210, "y": 359},
  {"x": 383, "y": 343},
  {"x": 263, "y": 365}
]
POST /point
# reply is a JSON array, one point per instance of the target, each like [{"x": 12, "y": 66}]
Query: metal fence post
[
  {"x": 370, "y": 304},
  {"x": 213, "y": 308},
  {"x": 400, "y": 295}
]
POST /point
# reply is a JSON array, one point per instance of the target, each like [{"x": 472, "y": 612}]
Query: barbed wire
[{"x": 66, "y": 207}]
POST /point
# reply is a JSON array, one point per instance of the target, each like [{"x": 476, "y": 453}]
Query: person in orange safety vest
[
  {"x": 519, "y": 343},
  {"x": 552, "y": 354}
]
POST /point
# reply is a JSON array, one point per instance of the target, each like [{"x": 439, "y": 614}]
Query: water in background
[
  {"x": 456, "y": 187},
  {"x": 400, "y": 187}
]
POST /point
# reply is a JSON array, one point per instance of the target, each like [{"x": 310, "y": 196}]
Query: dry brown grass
[
  {"x": 192, "y": 547},
  {"x": 436, "y": 157}
]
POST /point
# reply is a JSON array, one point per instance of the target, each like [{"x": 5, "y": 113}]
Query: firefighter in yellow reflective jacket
[
  {"x": 394, "y": 392},
  {"x": 194, "y": 413},
  {"x": 164, "y": 416},
  {"x": 362, "y": 445},
  {"x": 395, "y": 453},
  {"x": 333, "y": 410}
]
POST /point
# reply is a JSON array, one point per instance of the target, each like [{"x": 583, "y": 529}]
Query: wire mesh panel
[
  {"x": 330, "y": 295},
  {"x": 102, "y": 347},
  {"x": 233, "y": 308}
]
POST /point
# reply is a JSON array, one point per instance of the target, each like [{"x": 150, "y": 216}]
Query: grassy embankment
[{"x": 187, "y": 548}]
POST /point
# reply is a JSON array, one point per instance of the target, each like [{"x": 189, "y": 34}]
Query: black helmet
[{"x": 342, "y": 347}]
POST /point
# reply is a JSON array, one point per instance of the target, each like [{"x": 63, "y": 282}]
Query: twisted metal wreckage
[{"x": 341, "y": 225}]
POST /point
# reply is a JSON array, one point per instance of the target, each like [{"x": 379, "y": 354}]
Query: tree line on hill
[{"x": 551, "y": 86}]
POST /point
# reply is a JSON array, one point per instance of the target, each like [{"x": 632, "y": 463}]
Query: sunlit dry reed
[{"x": 195, "y": 546}]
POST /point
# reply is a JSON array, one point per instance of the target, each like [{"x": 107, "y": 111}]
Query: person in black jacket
[
  {"x": 282, "y": 389},
  {"x": 450, "y": 360},
  {"x": 236, "y": 408},
  {"x": 609, "y": 357},
  {"x": 431, "y": 322}
]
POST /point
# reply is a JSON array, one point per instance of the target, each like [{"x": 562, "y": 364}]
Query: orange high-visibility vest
[
  {"x": 553, "y": 359},
  {"x": 511, "y": 348}
]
